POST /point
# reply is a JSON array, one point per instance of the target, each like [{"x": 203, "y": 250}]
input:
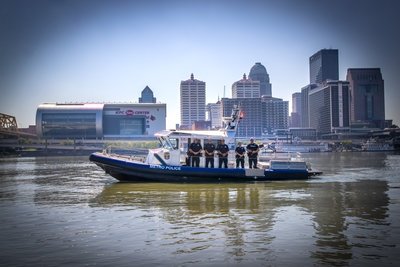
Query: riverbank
[
  {"x": 141, "y": 148},
  {"x": 18, "y": 148},
  {"x": 12, "y": 152}
]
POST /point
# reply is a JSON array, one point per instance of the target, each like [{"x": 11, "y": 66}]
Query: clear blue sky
[{"x": 108, "y": 51}]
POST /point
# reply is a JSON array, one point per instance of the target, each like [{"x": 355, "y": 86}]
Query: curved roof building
[
  {"x": 259, "y": 73},
  {"x": 99, "y": 120},
  {"x": 79, "y": 120}
]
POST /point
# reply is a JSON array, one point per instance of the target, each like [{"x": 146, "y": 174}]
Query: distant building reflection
[
  {"x": 361, "y": 205},
  {"x": 334, "y": 208}
]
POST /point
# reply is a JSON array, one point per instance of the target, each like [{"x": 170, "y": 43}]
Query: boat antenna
[{"x": 233, "y": 121}]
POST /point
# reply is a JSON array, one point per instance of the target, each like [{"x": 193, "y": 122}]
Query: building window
[{"x": 69, "y": 125}]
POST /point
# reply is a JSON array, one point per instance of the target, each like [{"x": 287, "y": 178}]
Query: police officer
[
  {"x": 252, "y": 153},
  {"x": 209, "y": 150},
  {"x": 239, "y": 154},
  {"x": 195, "y": 152},
  {"x": 222, "y": 151}
]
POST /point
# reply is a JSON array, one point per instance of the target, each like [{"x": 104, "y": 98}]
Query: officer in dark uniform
[
  {"x": 222, "y": 151},
  {"x": 252, "y": 153},
  {"x": 209, "y": 150},
  {"x": 239, "y": 154},
  {"x": 195, "y": 152},
  {"x": 188, "y": 159}
]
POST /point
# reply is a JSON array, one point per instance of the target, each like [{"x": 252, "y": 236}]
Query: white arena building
[{"x": 99, "y": 120}]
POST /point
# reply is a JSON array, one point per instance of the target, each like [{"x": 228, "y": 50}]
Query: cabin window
[
  {"x": 165, "y": 143},
  {"x": 174, "y": 142}
]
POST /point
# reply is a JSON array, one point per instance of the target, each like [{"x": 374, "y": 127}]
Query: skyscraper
[
  {"x": 246, "y": 88},
  {"x": 260, "y": 115},
  {"x": 305, "y": 122},
  {"x": 251, "y": 124},
  {"x": 259, "y": 73},
  {"x": 329, "y": 107},
  {"x": 214, "y": 111},
  {"x": 324, "y": 65},
  {"x": 275, "y": 113},
  {"x": 147, "y": 96},
  {"x": 296, "y": 110},
  {"x": 367, "y": 96},
  {"x": 193, "y": 101},
  {"x": 296, "y": 102}
]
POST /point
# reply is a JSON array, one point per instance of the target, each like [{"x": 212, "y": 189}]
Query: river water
[{"x": 65, "y": 211}]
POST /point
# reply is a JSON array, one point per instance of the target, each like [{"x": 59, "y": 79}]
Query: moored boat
[
  {"x": 301, "y": 147},
  {"x": 374, "y": 145}
]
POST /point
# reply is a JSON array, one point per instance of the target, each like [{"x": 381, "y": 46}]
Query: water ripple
[{"x": 66, "y": 211}]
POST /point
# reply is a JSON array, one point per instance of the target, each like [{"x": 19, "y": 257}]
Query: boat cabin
[{"x": 174, "y": 144}]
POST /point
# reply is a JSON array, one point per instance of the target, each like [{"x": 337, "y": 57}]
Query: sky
[{"x": 109, "y": 51}]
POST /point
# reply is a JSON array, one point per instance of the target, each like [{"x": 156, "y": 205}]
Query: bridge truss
[{"x": 8, "y": 125}]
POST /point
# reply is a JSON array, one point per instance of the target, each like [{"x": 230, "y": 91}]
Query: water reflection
[
  {"x": 340, "y": 211},
  {"x": 196, "y": 199},
  {"x": 347, "y": 217},
  {"x": 337, "y": 212},
  {"x": 65, "y": 181}
]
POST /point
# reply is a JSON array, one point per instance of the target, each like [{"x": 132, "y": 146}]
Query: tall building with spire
[
  {"x": 193, "y": 101},
  {"x": 259, "y": 73},
  {"x": 246, "y": 88},
  {"x": 262, "y": 112}
]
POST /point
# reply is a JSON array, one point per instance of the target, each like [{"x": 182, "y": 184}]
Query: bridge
[{"x": 9, "y": 128}]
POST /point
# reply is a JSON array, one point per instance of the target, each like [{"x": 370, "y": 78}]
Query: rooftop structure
[
  {"x": 259, "y": 73},
  {"x": 147, "y": 96},
  {"x": 246, "y": 88}
]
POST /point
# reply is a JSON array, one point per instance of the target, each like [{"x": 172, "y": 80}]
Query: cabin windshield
[
  {"x": 174, "y": 142},
  {"x": 166, "y": 143}
]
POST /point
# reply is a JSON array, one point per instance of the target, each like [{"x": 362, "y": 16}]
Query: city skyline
[{"x": 105, "y": 51}]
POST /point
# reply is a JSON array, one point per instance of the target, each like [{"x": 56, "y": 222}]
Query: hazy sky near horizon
[{"x": 108, "y": 51}]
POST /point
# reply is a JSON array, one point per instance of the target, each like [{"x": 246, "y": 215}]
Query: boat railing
[
  {"x": 108, "y": 151},
  {"x": 294, "y": 156}
]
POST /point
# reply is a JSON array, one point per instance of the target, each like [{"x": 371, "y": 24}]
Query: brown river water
[{"x": 65, "y": 211}]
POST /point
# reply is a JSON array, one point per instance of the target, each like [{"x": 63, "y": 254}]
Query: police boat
[{"x": 169, "y": 162}]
